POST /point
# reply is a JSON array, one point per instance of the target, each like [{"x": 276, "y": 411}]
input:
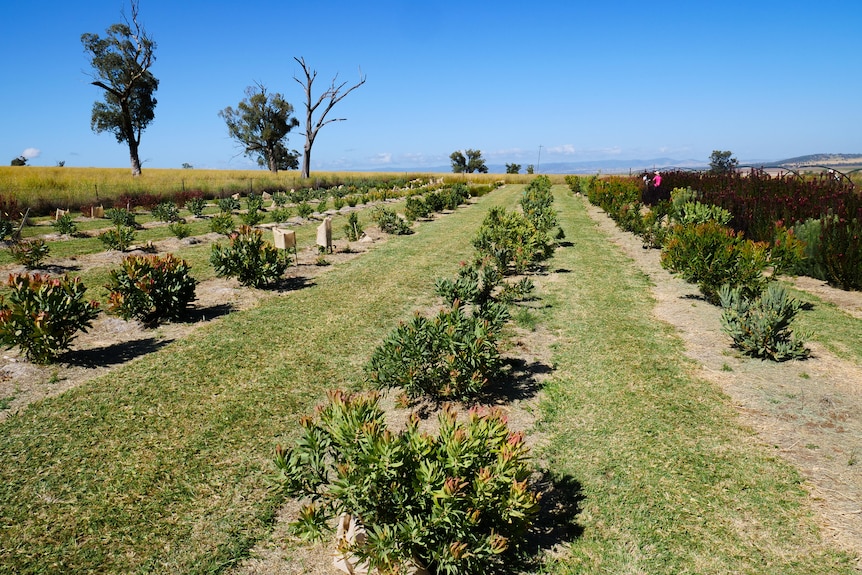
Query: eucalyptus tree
[
  {"x": 121, "y": 64},
  {"x": 472, "y": 162},
  {"x": 261, "y": 123},
  {"x": 328, "y": 98}
]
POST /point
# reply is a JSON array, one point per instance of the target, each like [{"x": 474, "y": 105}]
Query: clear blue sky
[{"x": 584, "y": 80}]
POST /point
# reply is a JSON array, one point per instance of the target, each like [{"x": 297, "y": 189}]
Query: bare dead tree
[{"x": 328, "y": 98}]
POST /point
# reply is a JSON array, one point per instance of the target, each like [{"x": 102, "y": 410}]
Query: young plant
[
  {"x": 254, "y": 262},
  {"x": 151, "y": 288},
  {"x": 228, "y": 205},
  {"x": 65, "y": 225},
  {"x": 389, "y": 222},
  {"x": 458, "y": 502},
  {"x": 304, "y": 210},
  {"x": 166, "y": 212},
  {"x": 180, "y": 229},
  {"x": 30, "y": 253},
  {"x": 119, "y": 238},
  {"x": 121, "y": 217},
  {"x": 760, "y": 327},
  {"x": 222, "y": 223},
  {"x": 254, "y": 213},
  {"x": 415, "y": 208},
  {"x": 196, "y": 205},
  {"x": 43, "y": 315},
  {"x": 450, "y": 356},
  {"x": 352, "y": 229}
]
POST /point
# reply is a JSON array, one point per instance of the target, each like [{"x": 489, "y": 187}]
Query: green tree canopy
[
  {"x": 722, "y": 162},
  {"x": 121, "y": 64},
  {"x": 469, "y": 163},
  {"x": 513, "y": 168},
  {"x": 261, "y": 123}
]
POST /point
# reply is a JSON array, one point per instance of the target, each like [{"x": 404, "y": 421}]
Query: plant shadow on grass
[
  {"x": 292, "y": 284},
  {"x": 56, "y": 269},
  {"x": 518, "y": 381},
  {"x": 195, "y": 315},
  {"x": 114, "y": 354},
  {"x": 556, "y": 523}
]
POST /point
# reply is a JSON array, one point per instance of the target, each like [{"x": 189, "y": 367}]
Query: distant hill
[{"x": 831, "y": 160}]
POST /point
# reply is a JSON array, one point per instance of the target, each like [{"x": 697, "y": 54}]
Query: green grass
[
  {"x": 161, "y": 466},
  {"x": 672, "y": 483},
  {"x": 839, "y": 332}
]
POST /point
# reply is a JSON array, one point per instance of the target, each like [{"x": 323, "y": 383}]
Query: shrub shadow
[
  {"x": 518, "y": 381},
  {"x": 292, "y": 284},
  {"x": 114, "y": 354},
  {"x": 195, "y": 315},
  {"x": 559, "y": 507}
]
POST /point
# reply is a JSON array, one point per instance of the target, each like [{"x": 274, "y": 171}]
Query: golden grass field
[{"x": 45, "y": 188}]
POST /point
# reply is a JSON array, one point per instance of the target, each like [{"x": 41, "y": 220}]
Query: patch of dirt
[{"x": 809, "y": 412}]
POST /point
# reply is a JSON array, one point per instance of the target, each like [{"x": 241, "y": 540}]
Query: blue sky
[{"x": 584, "y": 80}]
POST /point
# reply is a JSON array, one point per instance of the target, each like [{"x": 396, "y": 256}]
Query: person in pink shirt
[{"x": 656, "y": 182}]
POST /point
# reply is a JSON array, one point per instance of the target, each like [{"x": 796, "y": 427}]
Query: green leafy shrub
[
  {"x": 151, "y": 288},
  {"x": 30, "y": 253},
  {"x": 537, "y": 203},
  {"x": 760, "y": 327},
  {"x": 280, "y": 199},
  {"x": 712, "y": 255},
  {"x": 166, "y": 212},
  {"x": 415, "y": 208},
  {"x": 321, "y": 206},
  {"x": 435, "y": 201},
  {"x": 338, "y": 202},
  {"x": 787, "y": 251},
  {"x": 512, "y": 240},
  {"x": 222, "y": 223},
  {"x": 458, "y": 502},
  {"x": 121, "y": 217},
  {"x": 304, "y": 209},
  {"x": 390, "y": 222},
  {"x": 43, "y": 315},
  {"x": 808, "y": 232},
  {"x": 454, "y": 196},
  {"x": 119, "y": 238},
  {"x": 452, "y": 356},
  {"x": 280, "y": 214},
  {"x": 693, "y": 213},
  {"x": 228, "y": 205},
  {"x": 180, "y": 229},
  {"x": 840, "y": 253},
  {"x": 254, "y": 262},
  {"x": 196, "y": 205},
  {"x": 65, "y": 225},
  {"x": 352, "y": 229}
]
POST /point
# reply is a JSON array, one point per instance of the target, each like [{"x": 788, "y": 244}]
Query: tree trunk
[
  {"x": 306, "y": 163},
  {"x": 133, "y": 158}
]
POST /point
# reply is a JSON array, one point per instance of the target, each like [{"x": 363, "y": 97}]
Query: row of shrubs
[
  {"x": 823, "y": 211},
  {"x": 43, "y": 314},
  {"x": 729, "y": 269},
  {"x": 457, "y": 502}
]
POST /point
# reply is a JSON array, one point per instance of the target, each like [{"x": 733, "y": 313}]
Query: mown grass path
[
  {"x": 671, "y": 481},
  {"x": 161, "y": 466}
]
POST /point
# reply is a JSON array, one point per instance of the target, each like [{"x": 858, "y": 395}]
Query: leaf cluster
[
  {"x": 390, "y": 222},
  {"x": 30, "y": 253},
  {"x": 450, "y": 356},
  {"x": 151, "y": 288},
  {"x": 512, "y": 240},
  {"x": 250, "y": 259},
  {"x": 43, "y": 315},
  {"x": 454, "y": 503},
  {"x": 760, "y": 327}
]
